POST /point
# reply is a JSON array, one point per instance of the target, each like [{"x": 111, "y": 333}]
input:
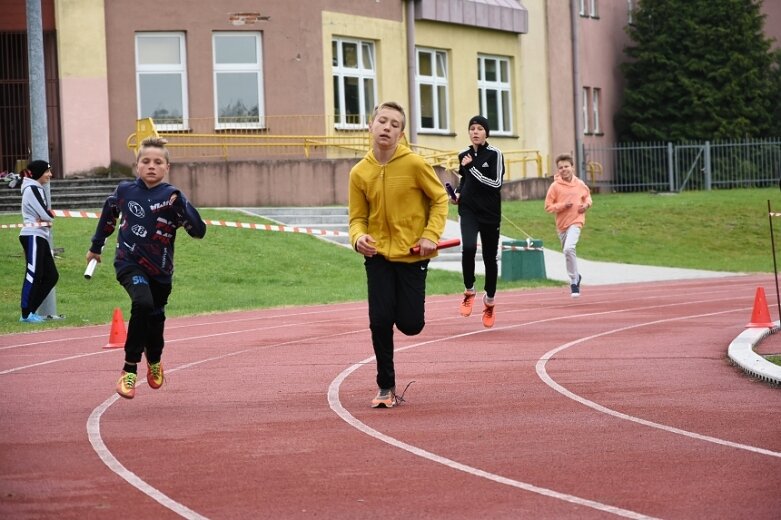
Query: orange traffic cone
[
  {"x": 760, "y": 317},
  {"x": 118, "y": 334}
]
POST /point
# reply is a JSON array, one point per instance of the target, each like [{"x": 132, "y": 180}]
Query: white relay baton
[{"x": 90, "y": 269}]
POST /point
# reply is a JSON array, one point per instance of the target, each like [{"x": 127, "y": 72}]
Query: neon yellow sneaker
[
  {"x": 154, "y": 374},
  {"x": 126, "y": 386}
]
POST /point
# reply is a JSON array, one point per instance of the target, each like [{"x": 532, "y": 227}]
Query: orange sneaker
[
  {"x": 126, "y": 386},
  {"x": 466, "y": 304},
  {"x": 154, "y": 375},
  {"x": 489, "y": 315}
]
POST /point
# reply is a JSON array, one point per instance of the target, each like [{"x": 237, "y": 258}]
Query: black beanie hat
[
  {"x": 38, "y": 168},
  {"x": 480, "y": 120}
]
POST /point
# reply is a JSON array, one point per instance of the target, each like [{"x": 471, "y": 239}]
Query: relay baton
[
  {"x": 442, "y": 244},
  {"x": 90, "y": 269},
  {"x": 451, "y": 192}
]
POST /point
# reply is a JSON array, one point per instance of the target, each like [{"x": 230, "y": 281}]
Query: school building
[{"x": 261, "y": 99}]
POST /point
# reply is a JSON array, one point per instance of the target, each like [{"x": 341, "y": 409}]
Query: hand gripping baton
[{"x": 442, "y": 244}]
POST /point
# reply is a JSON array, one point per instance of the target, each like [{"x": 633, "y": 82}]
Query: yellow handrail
[{"x": 225, "y": 144}]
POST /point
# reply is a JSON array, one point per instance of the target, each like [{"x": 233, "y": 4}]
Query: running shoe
[
  {"x": 385, "y": 398},
  {"x": 575, "y": 288},
  {"x": 32, "y": 318},
  {"x": 154, "y": 374},
  {"x": 466, "y": 304},
  {"x": 489, "y": 315},
  {"x": 126, "y": 386}
]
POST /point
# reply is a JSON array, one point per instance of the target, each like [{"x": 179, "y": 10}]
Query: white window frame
[
  {"x": 173, "y": 69},
  {"x": 367, "y": 96},
  {"x": 596, "y": 98},
  {"x": 241, "y": 68},
  {"x": 588, "y": 8},
  {"x": 436, "y": 82},
  {"x": 500, "y": 116},
  {"x": 584, "y": 108}
]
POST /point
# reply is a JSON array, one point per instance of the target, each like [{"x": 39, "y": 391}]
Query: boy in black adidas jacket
[{"x": 151, "y": 211}]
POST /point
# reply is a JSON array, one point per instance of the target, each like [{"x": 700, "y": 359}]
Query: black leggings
[
  {"x": 489, "y": 238},
  {"x": 41, "y": 274},
  {"x": 397, "y": 296},
  {"x": 147, "y": 315}
]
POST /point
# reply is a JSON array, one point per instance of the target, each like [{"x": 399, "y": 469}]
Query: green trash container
[{"x": 523, "y": 260}]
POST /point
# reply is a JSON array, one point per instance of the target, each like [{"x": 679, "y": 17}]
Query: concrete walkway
[{"x": 593, "y": 272}]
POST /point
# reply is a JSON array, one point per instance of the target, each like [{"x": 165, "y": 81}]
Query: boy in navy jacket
[{"x": 151, "y": 212}]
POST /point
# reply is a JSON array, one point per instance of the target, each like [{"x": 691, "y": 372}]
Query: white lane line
[
  {"x": 108, "y": 458},
  {"x": 93, "y": 430},
  {"x": 336, "y": 405},
  {"x": 188, "y": 338},
  {"x": 543, "y": 374}
]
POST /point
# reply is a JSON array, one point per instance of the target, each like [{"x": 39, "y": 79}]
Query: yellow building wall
[
  {"x": 389, "y": 37},
  {"x": 529, "y": 94},
  {"x": 535, "y": 103},
  {"x": 81, "y": 48}
]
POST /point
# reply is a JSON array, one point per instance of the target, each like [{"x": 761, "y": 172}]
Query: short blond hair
[
  {"x": 393, "y": 106},
  {"x": 154, "y": 142}
]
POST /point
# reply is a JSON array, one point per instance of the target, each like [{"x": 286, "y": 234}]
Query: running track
[{"x": 619, "y": 405}]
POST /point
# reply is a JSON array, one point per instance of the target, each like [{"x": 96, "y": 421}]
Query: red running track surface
[{"x": 619, "y": 404}]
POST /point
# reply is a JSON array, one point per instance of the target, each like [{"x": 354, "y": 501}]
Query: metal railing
[
  {"x": 295, "y": 136},
  {"x": 702, "y": 165}
]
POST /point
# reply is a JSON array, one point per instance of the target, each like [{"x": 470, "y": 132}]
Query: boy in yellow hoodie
[
  {"x": 396, "y": 202},
  {"x": 569, "y": 198}
]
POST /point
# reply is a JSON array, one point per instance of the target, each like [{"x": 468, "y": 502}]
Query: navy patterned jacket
[{"x": 147, "y": 228}]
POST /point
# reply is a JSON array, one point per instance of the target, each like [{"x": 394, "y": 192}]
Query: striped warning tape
[
  {"x": 230, "y": 224},
  {"x": 222, "y": 223}
]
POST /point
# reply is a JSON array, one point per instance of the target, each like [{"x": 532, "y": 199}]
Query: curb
[{"x": 741, "y": 352}]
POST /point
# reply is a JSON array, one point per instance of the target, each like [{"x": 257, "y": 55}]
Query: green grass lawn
[{"x": 234, "y": 269}]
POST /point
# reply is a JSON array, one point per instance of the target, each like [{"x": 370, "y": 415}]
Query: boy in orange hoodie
[{"x": 569, "y": 198}]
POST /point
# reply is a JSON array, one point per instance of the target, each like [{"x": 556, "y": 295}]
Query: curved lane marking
[
  {"x": 336, "y": 405},
  {"x": 108, "y": 458},
  {"x": 543, "y": 374}
]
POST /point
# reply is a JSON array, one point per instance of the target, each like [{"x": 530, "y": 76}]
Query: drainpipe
[
  {"x": 39, "y": 130},
  {"x": 577, "y": 91},
  {"x": 412, "y": 119}
]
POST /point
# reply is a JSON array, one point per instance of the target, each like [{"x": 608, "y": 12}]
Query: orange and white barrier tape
[
  {"x": 238, "y": 225},
  {"x": 222, "y": 223}
]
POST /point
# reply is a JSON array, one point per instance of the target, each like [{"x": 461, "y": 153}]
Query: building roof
[{"x": 500, "y": 15}]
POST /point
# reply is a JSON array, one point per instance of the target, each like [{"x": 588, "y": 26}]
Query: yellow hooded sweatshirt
[{"x": 397, "y": 203}]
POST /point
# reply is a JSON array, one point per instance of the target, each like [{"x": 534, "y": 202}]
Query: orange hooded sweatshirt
[{"x": 559, "y": 194}]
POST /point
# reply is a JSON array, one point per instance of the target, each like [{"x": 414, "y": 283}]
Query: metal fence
[{"x": 677, "y": 167}]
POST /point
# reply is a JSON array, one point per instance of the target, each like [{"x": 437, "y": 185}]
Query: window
[
  {"x": 493, "y": 85},
  {"x": 584, "y": 108},
  {"x": 354, "y": 76},
  {"x": 596, "y": 93},
  {"x": 238, "y": 80},
  {"x": 588, "y": 8},
  {"x": 631, "y": 11},
  {"x": 161, "y": 79},
  {"x": 432, "y": 90}
]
